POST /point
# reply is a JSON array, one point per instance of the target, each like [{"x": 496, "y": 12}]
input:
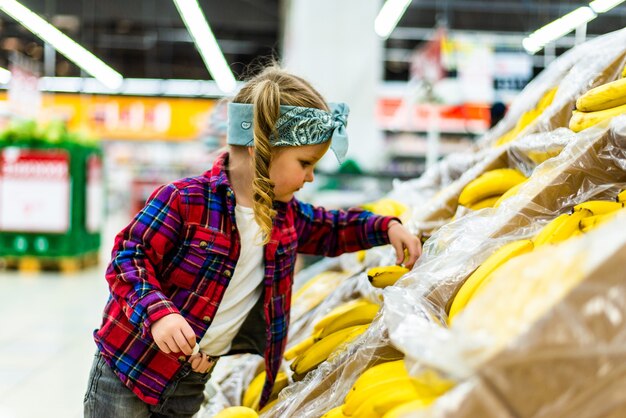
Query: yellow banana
[
  {"x": 338, "y": 311},
  {"x": 569, "y": 225},
  {"x": 624, "y": 72},
  {"x": 546, "y": 232},
  {"x": 592, "y": 222},
  {"x": 546, "y": 99},
  {"x": 357, "y": 398},
  {"x": 511, "y": 192},
  {"x": 252, "y": 395},
  {"x": 385, "y": 207},
  {"x": 599, "y": 207},
  {"x": 268, "y": 406},
  {"x": 406, "y": 409},
  {"x": 360, "y": 315},
  {"x": 583, "y": 120},
  {"x": 334, "y": 413},
  {"x": 603, "y": 97},
  {"x": 491, "y": 183},
  {"x": 299, "y": 348},
  {"x": 385, "y": 275},
  {"x": 621, "y": 197},
  {"x": 321, "y": 350},
  {"x": 377, "y": 373},
  {"x": 386, "y": 399},
  {"x": 495, "y": 260},
  {"x": 237, "y": 412},
  {"x": 485, "y": 203}
]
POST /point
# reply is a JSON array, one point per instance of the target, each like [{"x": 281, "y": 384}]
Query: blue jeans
[{"x": 108, "y": 397}]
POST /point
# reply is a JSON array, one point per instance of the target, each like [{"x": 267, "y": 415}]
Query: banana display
[
  {"x": 493, "y": 183},
  {"x": 384, "y": 276},
  {"x": 583, "y": 218},
  {"x": 599, "y": 104}
]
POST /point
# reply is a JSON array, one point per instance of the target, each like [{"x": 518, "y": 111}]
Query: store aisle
[{"x": 46, "y": 346}]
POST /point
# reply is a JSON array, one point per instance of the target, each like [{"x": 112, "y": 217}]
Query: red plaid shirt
[{"x": 178, "y": 255}]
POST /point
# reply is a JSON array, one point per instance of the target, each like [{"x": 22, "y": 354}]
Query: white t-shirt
[{"x": 244, "y": 289}]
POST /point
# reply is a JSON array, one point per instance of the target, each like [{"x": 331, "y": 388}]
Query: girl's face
[{"x": 291, "y": 167}]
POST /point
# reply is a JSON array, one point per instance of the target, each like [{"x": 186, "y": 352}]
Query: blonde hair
[{"x": 266, "y": 92}]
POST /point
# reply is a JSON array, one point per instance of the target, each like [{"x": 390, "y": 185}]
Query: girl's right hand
[{"x": 173, "y": 334}]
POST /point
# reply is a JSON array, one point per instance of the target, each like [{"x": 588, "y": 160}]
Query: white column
[{"x": 332, "y": 44}]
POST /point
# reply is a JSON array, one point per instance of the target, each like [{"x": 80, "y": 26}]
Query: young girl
[{"x": 206, "y": 267}]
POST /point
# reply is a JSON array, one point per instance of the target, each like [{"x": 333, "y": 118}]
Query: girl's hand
[
  {"x": 400, "y": 239},
  {"x": 201, "y": 363},
  {"x": 173, "y": 334}
]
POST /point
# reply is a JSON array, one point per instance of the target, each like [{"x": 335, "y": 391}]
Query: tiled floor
[{"x": 46, "y": 346}]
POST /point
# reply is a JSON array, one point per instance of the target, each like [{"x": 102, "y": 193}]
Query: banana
[
  {"x": 252, "y": 395},
  {"x": 621, "y": 197},
  {"x": 546, "y": 232},
  {"x": 592, "y": 222},
  {"x": 356, "y": 398},
  {"x": 485, "y": 203},
  {"x": 511, "y": 192},
  {"x": 385, "y": 207},
  {"x": 406, "y": 409},
  {"x": 237, "y": 412},
  {"x": 495, "y": 260},
  {"x": 603, "y": 97},
  {"x": 267, "y": 407},
  {"x": 385, "y": 275},
  {"x": 583, "y": 120},
  {"x": 546, "y": 99},
  {"x": 599, "y": 207},
  {"x": 624, "y": 72},
  {"x": 568, "y": 226},
  {"x": 491, "y": 183},
  {"x": 299, "y": 348},
  {"x": 338, "y": 311},
  {"x": 334, "y": 413},
  {"x": 377, "y": 373},
  {"x": 321, "y": 350},
  {"x": 360, "y": 315},
  {"x": 386, "y": 399}
]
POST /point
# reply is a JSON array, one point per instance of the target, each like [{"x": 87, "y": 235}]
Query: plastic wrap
[{"x": 547, "y": 336}]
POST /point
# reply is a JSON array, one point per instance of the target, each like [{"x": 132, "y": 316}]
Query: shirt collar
[{"x": 219, "y": 179}]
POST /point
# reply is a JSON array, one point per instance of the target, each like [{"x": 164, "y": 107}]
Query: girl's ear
[{"x": 251, "y": 151}]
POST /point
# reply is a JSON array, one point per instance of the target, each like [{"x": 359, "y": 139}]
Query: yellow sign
[{"x": 122, "y": 117}]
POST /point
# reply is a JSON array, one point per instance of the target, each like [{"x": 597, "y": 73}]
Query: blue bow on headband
[{"x": 295, "y": 126}]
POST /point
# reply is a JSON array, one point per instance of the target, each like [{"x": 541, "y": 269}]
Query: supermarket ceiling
[{"x": 147, "y": 39}]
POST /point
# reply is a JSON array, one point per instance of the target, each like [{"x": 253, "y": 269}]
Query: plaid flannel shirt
[{"x": 177, "y": 256}]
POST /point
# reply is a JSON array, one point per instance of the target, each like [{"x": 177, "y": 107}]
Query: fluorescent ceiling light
[
  {"x": 601, "y": 6},
  {"x": 62, "y": 43},
  {"x": 205, "y": 41},
  {"x": 389, "y": 16},
  {"x": 5, "y": 75},
  {"x": 560, "y": 27}
]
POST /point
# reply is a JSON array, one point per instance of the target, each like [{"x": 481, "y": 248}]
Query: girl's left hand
[
  {"x": 201, "y": 363},
  {"x": 400, "y": 238}
]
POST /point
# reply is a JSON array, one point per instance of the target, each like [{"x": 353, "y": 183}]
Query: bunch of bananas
[
  {"x": 313, "y": 292},
  {"x": 528, "y": 117},
  {"x": 384, "y": 276},
  {"x": 337, "y": 328},
  {"x": 488, "y": 188},
  {"x": 599, "y": 104},
  {"x": 387, "y": 390},
  {"x": 583, "y": 217},
  {"x": 252, "y": 395}
]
